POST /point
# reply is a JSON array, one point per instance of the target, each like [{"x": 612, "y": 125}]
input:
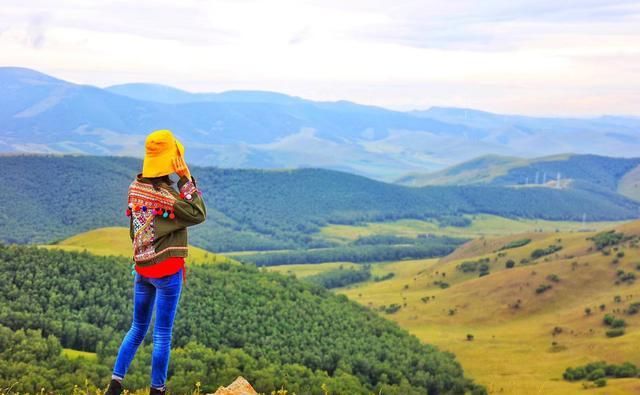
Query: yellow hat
[{"x": 160, "y": 149}]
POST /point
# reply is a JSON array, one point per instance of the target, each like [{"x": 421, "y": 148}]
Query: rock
[{"x": 240, "y": 386}]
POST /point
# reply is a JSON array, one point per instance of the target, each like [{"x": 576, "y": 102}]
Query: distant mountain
[
  {"x": 591, "y": 172},
  {"x": 167, "y": 94},
  {"x": 49, "y": 198},
  {"x": 42, "y": 114}
]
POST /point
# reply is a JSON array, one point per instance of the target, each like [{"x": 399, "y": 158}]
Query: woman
[{"x": 159, "y": 217}]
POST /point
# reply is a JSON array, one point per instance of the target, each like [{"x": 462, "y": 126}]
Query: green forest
[
  {"x": 265, "y": 209},
  {"x": 233, "y": 319},
  {"x": 341, "y": 277},
  {"x": 366, "y": 249}
]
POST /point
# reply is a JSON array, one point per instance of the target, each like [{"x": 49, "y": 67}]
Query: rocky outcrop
[{"x": 240, "y": 386}]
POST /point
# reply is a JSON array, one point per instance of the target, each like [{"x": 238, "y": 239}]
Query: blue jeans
[{"x": 167, "y": 289}]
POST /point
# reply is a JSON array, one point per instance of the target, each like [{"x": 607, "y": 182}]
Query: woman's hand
[{"x": 181, "y": 168}]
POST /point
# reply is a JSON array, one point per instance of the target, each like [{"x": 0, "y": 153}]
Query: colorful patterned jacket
[{"x": 160, "y": 217}]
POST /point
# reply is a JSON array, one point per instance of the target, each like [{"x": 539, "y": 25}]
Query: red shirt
[{"x": 167, "y": 267}]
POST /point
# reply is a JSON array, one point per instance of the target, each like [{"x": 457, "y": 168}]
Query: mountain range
[{"x": 43, "y": 114}]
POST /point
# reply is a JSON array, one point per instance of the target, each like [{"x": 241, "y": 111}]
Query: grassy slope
[
  {"x": 116, "y": 241},
  {"x": 629, "y": 184},
  {"x": 512, "y": 351},
  {"x": 482, "y": 225},
  {"x": 476, "y": 171}
]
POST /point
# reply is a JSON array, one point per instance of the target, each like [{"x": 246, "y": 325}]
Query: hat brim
[{"x": 180, "y": 148}]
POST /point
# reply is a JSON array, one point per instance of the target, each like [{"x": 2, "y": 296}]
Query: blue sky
[{"x": 531, "y": 57}]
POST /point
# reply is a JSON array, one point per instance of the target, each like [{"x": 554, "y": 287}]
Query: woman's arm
[{"x": 189, "y": 209}]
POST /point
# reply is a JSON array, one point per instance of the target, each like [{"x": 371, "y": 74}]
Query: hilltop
[
  {"x": 592, "y": 172},
  {"x": 517, "y": 329}
]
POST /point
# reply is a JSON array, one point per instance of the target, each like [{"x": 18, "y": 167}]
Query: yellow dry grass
[
  {"x": 116, "y": 241},
  {"x": 482, "y": 225},
  {"x": 512, "y": 351}
]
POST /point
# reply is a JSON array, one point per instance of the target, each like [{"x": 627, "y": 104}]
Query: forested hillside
[
  {"x": 273, "y": 329},
  {"x": 48, "y": 198}
]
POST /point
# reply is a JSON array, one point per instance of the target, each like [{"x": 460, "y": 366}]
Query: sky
[{"x": 544, "y": 57}]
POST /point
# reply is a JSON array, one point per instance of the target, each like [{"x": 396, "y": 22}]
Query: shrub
[
  {"x": 543, "y": 288},
  {"x": 615, "y": 332},
  {"x": 597, "y": 371},
  {"x": 618, "y": 323},
  {"x": 481, "y": 265},
  {"x": 608, "y": 319},
  {"x": 510, "y": 264},
  {"x": 554, "y": 278},
  {"x": 515, "y": 244},
  {"x": 574, "y": 374},
  {"x": 540, "y": 252},
  {"x": 596, "y": 374},
  {"x": 628, "y": 277},
  {"x": 392, "y": 308},
  {"x": 627, "y": 369},
  {"x": 633, "y": 308},
  {"x": 600, "y": 382},
  {"x": 387, "y": 276},
  {"x": 606, "y": 239},
  {"x": 441, "y": 284}
]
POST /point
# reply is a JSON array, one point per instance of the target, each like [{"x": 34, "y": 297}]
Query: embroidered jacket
[{"x": 159, "y": 218}]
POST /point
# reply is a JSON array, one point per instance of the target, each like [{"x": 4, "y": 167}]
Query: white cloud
[{"x": 538, "y": 57}]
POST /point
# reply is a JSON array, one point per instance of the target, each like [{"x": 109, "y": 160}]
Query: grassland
[
  {"x": 483, "y": 169},
  {"x": 482, "y": 225},
  {"x": 116, "y": 241},
  {"x": 629, "y": 184},
  {"x": 514, "y": 349}
]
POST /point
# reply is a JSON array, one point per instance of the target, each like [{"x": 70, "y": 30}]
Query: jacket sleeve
[{"x": 189, "y": 208}]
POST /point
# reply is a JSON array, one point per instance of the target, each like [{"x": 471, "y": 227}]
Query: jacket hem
[{"x": 164, "y": 254}]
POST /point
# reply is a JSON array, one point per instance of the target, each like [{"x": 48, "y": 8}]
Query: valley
[
  {"x": 522, "y": 340},
  {"x": 506, "y": 277},
  {"x": 508, "y": 336}
]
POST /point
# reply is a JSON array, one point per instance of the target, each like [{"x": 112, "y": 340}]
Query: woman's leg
[
  {"x": 168, "y": 290},
  {"x": 143, "y": 299}
]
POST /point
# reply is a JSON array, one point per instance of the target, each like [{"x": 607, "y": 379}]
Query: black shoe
[
  {"x": 115, "y": 388},
  {"x": 155, "y": 391}
]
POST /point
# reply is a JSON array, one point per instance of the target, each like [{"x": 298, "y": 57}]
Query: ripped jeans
[{"x": 165, "y": 293}]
